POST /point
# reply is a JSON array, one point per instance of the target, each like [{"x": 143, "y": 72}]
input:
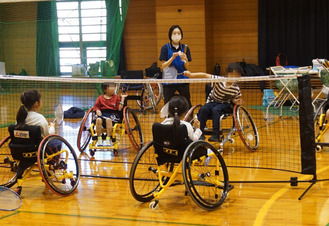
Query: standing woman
[{"x": 177, "y": 55}]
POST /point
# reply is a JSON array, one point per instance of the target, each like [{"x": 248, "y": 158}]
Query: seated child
[
  {"x": 107, "y": 107},
  {"x": 178, "y": 107},
  {"x": 28, "y": 113},
  {"x": 221, "y": 100}
]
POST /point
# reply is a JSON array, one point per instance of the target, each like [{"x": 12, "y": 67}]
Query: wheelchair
[
  {"x": 24, "y": 152},
  {"x": 242, "y": 122},
  {"x": 129, "y": 124},
  {"x": 148, "y": 95},
  {"x": 174, "y": 159},
  {"x": 321, "y": 126}
]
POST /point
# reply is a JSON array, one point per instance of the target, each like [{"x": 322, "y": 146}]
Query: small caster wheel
[
  {"x": 19, "y": 190},
  {"x": 318, "y": 148},
  {"x": 231, "y": 140},
  {"x": 6, "y": 160},
  {"x": 154, "y": 205},
  {"x": 73, "y": 182},
  {"x": 92, "y": 153}
]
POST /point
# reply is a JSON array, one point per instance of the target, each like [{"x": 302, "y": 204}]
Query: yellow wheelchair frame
[
  {"x": 321, "y": 126},
  {"x": 54, "y": 169},
  {"x": 205, "y": 176},
  {"x": 130, "y": 125}
]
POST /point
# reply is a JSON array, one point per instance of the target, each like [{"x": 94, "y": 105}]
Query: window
[{"x": 82, "y": 32}]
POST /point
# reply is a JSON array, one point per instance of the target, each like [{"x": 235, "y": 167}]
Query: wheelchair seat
[
  {"x": 24, "y": 145},
  {"x": 169, "y": 146},
  {"x": 24, "y": 142},
  {"x": 138, "y": 74}
]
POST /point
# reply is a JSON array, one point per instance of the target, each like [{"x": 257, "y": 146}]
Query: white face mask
[{"x": 176, "y": 38}]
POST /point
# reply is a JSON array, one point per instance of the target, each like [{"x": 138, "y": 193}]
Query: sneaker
[
  {"x": 214, "y": 138},
  {"x": 108, "y": 143},
  {"x": 202, "y": 137},
  {"x": 99, "y": 143}
]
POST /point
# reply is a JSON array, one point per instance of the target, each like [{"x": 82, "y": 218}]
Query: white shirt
[
  {"x": 35, "y": 119},
  {"x": 193, "y": 135}
]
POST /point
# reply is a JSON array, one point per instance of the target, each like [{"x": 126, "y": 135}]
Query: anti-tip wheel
[
  {"x": 318, "y": 148},
  {"x": 154, "y": 205}
]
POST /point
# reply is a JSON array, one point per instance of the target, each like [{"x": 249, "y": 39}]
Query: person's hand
[
  {"x": 239, "y": 102},
  {"x": 175, "y": 54},
  {"x": 51, "y": 124},
  {"x": 196, "y": 123},
  {"x": 124, "y": 95},
  {"x": 187, "y": 73},
  {"x": 182, "y": 56},
  {"x": 98, "y": 113}
]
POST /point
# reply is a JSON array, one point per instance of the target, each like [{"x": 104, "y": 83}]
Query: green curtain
[
  {"x": 47, "y": 40},
  {"x": 115, "y": 24}
]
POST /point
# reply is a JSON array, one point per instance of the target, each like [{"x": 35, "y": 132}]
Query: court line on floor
[
  {"x": 263, "y": 211},
  {"x": 109, "y": 218}
]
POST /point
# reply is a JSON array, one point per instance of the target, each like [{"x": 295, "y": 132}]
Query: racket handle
[{"x": 51, "y": 130}]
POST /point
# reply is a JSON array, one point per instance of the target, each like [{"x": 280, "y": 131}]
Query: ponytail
[
  {"x": 20, "y": 117},
  {"x": 28, "y": 99},
  {"x": 178, "y": 106},
  {"x": 176, "y": 122}
]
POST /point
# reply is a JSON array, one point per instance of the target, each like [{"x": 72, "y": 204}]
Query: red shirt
[{"x": 104, "y": 104}]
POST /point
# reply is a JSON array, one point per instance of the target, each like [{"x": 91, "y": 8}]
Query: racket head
[
  {"x": 9, "y": 200},
  {"x": 59, "y": 114},
  {"x": 169, "y": 73},
  {"x": 164, "y": 111}
]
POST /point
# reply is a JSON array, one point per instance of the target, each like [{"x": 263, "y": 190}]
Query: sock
[
  {"x": 108, "y": 138},
  {"x": 99, "y": 138}
]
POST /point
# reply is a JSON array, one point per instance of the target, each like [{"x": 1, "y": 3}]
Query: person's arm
[
  {"x": 167, "y": 63},
  {"x": 186, "y": 57},
  {"x": 197, "y": 74},
  {"x": 237, "y": 101},
  {"x": 97, "y": 107},
  {"x": 121, "y": 104}
]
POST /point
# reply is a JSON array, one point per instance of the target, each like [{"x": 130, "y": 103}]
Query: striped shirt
[{"x": 222, "y": 93}]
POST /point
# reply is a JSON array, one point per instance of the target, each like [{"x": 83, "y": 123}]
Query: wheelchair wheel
[
  {"x": 190, "y": 115},
  {"x": 58, "y": 165},
  {"x": 246, "y": 127},
  {"x": 205, "y": 175},
  {"x": 143, "y": 178},
  {"x": 84, "y": 134},
  {"x": 319, "y": 120},
  {"x": 133, "y": 128},
  {"x": 156, "y": 91},
  {"x": 8, "y": 166}
]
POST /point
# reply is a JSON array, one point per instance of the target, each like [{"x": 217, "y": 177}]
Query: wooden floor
[{"x": 103, "y": 195}]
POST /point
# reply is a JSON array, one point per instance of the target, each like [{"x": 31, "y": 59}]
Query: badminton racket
[
  {"x": 170, "y": 73},
  {"x": 9, "y": 200},
  {"x": 59, "y": 114}
]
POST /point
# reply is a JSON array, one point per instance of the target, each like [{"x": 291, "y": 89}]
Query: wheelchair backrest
[
  {"x": 137, "y": 74},
  {"x": 169, "y": 145},
  {"x": 24, "y": 142}
]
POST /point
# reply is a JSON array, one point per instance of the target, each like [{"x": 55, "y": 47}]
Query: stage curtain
[
  {"x": 47, "y": 40},
  {"x": 298, "y": 29}
]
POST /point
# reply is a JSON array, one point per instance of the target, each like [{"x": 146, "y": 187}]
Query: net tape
[{"x": 134, "y": 81}]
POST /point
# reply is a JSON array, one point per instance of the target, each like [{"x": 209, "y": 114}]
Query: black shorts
[{"x": 115, "y": 116}]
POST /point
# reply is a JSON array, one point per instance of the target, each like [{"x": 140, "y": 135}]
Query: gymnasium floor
[{"x": 103, "y": 195}]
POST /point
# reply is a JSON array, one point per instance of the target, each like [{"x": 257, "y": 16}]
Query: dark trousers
[
  {"x": 213, "y": 111},
  {"x": 182, "y": 89}
]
